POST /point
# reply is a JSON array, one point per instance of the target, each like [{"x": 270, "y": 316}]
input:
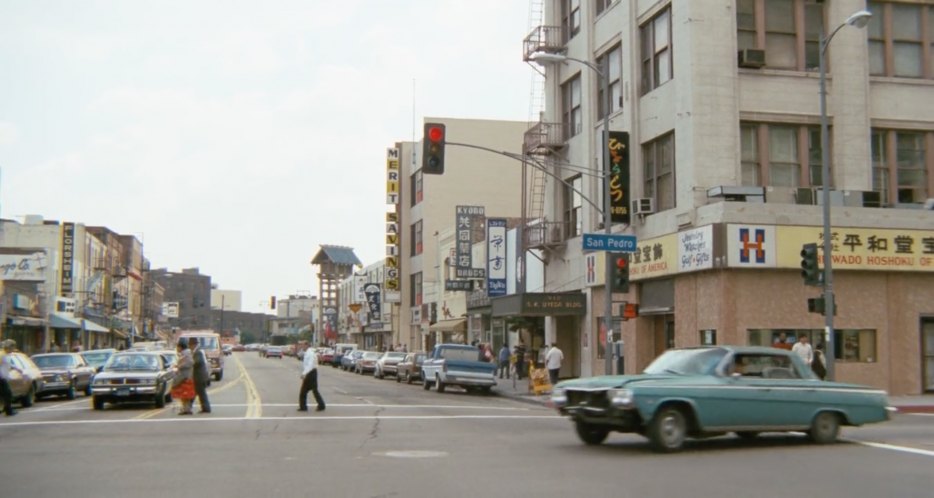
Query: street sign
[{"x": 609, "y": 242}]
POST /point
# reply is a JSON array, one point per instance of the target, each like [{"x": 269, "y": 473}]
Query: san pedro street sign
[{"x": 609, "y": 242}]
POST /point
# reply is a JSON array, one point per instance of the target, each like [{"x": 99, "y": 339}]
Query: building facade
[{"x": 716, "y": 103}]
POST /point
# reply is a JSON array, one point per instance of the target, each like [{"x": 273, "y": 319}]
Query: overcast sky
[{"x": 237, "y": 136}]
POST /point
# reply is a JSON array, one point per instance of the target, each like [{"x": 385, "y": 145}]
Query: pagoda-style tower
[{"x": 335, "y": 263}]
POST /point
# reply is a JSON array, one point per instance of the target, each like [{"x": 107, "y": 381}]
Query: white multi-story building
[{"x": 720, "y": 103}]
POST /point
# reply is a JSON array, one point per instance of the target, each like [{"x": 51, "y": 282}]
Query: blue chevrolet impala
[{"x": 709, "y": 391}]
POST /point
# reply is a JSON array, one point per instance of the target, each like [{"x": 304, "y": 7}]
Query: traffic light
[
  {"x": 809, "y": 270},
  {"x": 433, "y": 149},
  {"x": 819, "y": 305},
  {"x": 620, "y": 262}
]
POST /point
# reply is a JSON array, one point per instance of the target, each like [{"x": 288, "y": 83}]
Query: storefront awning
[
  {"x": 61, "y": 322},
  {"x": 94, "y": 327},
  {"x": 25, "y": 321},
  {"x": 457, "y": 324}
]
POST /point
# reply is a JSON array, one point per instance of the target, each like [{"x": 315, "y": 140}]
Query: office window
[
  {"x": 615, "y": 58},
  {"x": 416, "y": 234},
  {"x": 659, "y": 171},
  {"x": 901, "y": 166},
  {"x": 601, "y": 5},
  {"x": 570, "y": 18},
  {"x": 788, "y": 31},
  {"x": 573, "y": 205},
  {"x": 418, "y": 194},
  {"x": 573, "y": 117},
  {"x": 415, "y": 289},
  {"x": 772, "y": 155},
  {"x": 899, "y": 36},
  {"x": 655, "y": 37}
]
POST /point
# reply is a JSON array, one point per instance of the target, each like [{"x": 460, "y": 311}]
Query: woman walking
[{"x": 183, "y": 387}]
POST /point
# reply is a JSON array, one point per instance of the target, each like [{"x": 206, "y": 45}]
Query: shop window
[{"x": 850, "y": 345}]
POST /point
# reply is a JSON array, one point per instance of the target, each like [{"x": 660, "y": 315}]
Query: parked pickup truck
[{"x": 457, "y": 365}]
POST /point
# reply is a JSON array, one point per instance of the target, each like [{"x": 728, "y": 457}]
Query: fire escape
[{"x": 543, "y": 141}]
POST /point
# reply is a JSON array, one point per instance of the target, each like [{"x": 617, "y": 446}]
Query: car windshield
[
  {"x": 207, "y": 342},
  {"x": 146, "y": 362},
  {"x": 394, "y": 354},
  {"x": 96, "y": 358},
  {"x": 370, "y": 355},
  {"x": 56, "y": 361},
  {"x": 686, "y": 361}
]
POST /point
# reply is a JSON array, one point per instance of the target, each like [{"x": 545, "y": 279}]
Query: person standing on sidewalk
[
  {"x": 201, "y": 374},
  {"x": 6, "y": 369},
  {"x": 553, "y": 359},
  {"x": 803, "y": 349},
  {"x": 309, "y": 383},
  {"x": 504, "y": 361},
  {"x": 520, "y": 360}
]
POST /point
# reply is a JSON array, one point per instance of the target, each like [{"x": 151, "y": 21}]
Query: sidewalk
[{"x": 921, "y": 403}]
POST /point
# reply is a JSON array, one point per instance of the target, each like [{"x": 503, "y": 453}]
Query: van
[{"x": 210, "y": 343}]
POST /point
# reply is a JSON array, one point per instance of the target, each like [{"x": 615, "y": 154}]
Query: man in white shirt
[
  {"x": 803, "y": 349},
  {"x": 310, "y": 381},
  {"x": 553, "y": 359}
]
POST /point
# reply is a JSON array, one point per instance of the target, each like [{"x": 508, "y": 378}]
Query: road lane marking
[
  {"x": 296, "y": 418},
  {"x": 892, "y": 447},
  {"x": 172, "y": 406},
  {"x": 360, "y": 405},
  {"x": 254, "y": 403}
]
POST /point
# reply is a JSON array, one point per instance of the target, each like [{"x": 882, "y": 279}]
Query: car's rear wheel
[
  {"x": 408, "y": 378},
  {"x": 825, "y": 428},
  {"x": 218, "y": 376},
  {"x": 425, "y": 384},
  {"x": 591, "y": 434},
  {"x": 668, "y": 430},
  {"x": 439, "y": 385},
  {"x": 98, "y": 403},
  {"x": 747, "y": 434}
]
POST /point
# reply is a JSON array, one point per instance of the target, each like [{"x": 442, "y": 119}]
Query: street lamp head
[
  {"x": 859, "y": 19},
  {"x": 547, "y": 58}
]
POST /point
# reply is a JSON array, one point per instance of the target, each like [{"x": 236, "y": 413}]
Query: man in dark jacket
[{"x": 201, "y": 374}]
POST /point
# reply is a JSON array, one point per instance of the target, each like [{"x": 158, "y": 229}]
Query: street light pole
[
  {"x": 859, "y": 20},
  {"x": 604, "y": 75}
]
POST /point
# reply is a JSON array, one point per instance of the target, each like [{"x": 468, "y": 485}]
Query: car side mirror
[{"x": 98, "y": 369}]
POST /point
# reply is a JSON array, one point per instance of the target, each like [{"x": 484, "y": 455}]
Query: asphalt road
[{"x": 378, "y": 438}]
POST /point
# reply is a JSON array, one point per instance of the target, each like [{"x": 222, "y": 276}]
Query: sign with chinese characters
[
  {"x": 619, "y": 176},
  {"x": 23, "y": 266},
  {"x": 464, "y": 234},
  {"x": 68, "y": 257},
  {"x": 373, "y": 301},
  {"x": 880, "y": 249},
  {"x": 654, "y": 258},
  {"x": 359, "y": 282},
  {"x": 751, "y": 246},
  {"x": 695, "y": 249},
  {"x": 458, "y": 285},
  {"x": 496, "y": 257}
]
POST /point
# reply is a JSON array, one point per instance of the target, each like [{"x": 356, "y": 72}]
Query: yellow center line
[
  {"x": 254, "y": 407},
  {"x": 152, "y": 413}
]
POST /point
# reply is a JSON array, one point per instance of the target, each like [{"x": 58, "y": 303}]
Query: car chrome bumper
[
  {"x": 469, "y": 381},
  {"x": 123, "y": 391}
]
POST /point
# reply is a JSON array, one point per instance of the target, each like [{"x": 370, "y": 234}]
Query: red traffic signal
[
  {"x": 620, "y": 281},
  {"x": 433, "y": 149}
]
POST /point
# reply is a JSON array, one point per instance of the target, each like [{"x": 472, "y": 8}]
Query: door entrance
[{"x": 927, "y": 350}]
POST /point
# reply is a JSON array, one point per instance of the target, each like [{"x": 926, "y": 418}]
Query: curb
[{"x": 915, "y": 408}]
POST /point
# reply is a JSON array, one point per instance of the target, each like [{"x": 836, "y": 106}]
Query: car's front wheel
[
  {"x": 98, "y": 403},
  {"x": 425, "y": 384},
  {"x": 825, "y": 428},
  {"x": 72, "y": 391},
  {"x": 87, "y": 389},
  {"x": 668, "y": 430},
  {"x": 30, "y": 397},
  {"x": 591, "y": 434},
  {"x": 160, "y": 398},
  {"x": 218, "y": 376},
  {"x": 439, "y": 385}
]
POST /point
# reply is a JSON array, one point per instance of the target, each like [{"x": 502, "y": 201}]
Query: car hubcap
[{"x": 672, "y": 431}]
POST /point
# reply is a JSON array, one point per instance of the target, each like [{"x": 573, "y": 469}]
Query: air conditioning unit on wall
[
  {"x": 643, "y": 206},
  {"x": 751, "y": 58}
]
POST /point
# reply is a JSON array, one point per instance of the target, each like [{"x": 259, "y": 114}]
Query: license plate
[{"x": 123, "y": 391}]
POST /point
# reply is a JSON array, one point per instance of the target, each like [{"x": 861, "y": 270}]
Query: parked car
[
  {"x": 25, "y": 385},
  {"x": 65, "y": 374},
  {"x": 239, "y": 348},
  {"x": 457, "y": 365},
  {"x": 366, "y": 362},
  {"x": 341, "y": 350},
  {"x": 325, "y": 356},
  {"x": 410, "y": 368},
  {"x": 709, "y": 391},
  {"x": 133, "y": 376},
  {"x": 274, "y": 352},
  {"x": 349, "y": 360},
  {"x": 386, "y": 364},
  {"x": 227, "y": 349},
  {"x": 97, "y": 357}
]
